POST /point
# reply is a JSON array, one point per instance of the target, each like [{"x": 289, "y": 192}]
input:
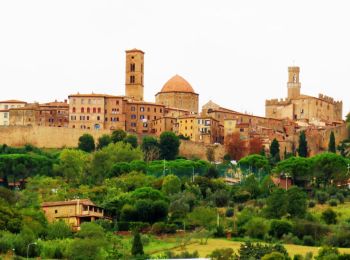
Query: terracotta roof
[
  {"x": 134, "y": 50},
  {"x": 13, "y": 101},
  {"x": 177, "y": 84},
  {"x": 94, "y": 95},
  {"x": 86, "y": 202},
  {"x": 55, "y": 104}
]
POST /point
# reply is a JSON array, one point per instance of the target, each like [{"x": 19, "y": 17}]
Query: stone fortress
[
  {"x": 176, "y": 108},
  {"x": 302, "y": 107}
]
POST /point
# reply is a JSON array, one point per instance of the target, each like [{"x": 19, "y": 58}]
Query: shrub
[
  {"x": 322, "y": 197},
  {"x": 329, "y": 216},
  {"x": 229, "y": 212},
  {"x": 222, "y": 254},
  {"x": 163, "y": 228},
  {"x": 340, "y": 197},
  {"x": 273, "y": 256},
  {"x": 333, "y": 203},
  {"x": 303, "y": 228},
  {"x": 312, "y": 204},
  {"x": 219, "y": 232},
  {"x": 241, "y": 197},
  {"x": 308, "y": 241},
  {"x": 278, "y": 228},
  {"x": 221, "y": 198},
  {"x": 256, "y": 227},
  {"x": 58, "y": 230}
]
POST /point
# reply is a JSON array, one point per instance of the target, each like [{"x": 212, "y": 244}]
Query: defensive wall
[{"x": 59, "y": 137}]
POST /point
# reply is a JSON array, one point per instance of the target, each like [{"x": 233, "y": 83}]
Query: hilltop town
[{"x": 176, "y": 109}]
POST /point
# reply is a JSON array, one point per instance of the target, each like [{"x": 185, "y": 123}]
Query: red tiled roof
[{"x": 13, "y": 101}]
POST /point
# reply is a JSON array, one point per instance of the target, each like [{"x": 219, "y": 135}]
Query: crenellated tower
[{"x": 134, "y": 72}]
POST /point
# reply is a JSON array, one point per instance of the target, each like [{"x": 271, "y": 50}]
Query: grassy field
[
  {"x": 213, "y": 244},
  {"x": 343, "y": 210}
]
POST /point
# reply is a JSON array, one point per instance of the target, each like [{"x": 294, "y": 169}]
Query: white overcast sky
[{"x": 235, "y": 53}]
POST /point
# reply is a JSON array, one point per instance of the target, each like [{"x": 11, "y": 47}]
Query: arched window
[
  {"x": 94, "y": 110},
  {"x": 82, "y": 110},
  {"x": 99, "y": 110},
  {"x": 73, "y": 110},
  {"x": 88, "y": 110},
  {"x": 132, "y": 67}
]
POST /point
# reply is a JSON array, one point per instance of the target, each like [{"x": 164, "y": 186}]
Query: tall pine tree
[
  {"x": 331, "y": 144},
  {"x": 302, "y": 149},
  {"x": 275, "y": 151}
]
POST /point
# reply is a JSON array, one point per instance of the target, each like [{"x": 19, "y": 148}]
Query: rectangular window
[
  {"x": 142, "y": 109},
  {"x": 133, "y": 116},
  {"x": 142, "y": 117},
  {"x": 133, "y": 124},
  {"x": 133, "y": 109}
]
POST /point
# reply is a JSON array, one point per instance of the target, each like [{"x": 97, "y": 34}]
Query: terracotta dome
[{"x": 177, "y": 84}]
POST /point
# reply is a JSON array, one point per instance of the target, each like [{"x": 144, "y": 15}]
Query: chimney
[{"x": 65, "y": 101}]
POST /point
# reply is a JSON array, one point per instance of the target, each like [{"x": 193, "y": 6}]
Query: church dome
[{"x": 177, "y": 84}]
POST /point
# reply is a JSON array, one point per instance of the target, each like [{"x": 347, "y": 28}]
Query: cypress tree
[
  {"x": 302, "y": 150},
  {"x": 275, "y": 150},
  {"x": 331, "y": 144},
  {"x": 137, "y": 247}
]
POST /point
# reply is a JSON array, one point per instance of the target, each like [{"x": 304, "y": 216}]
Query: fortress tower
[
  {"x": 134, "y": 74},
  {"x": 293, "y": 82}
]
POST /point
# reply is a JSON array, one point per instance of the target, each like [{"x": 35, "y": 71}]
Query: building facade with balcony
[{"x": 73, "y": 212}]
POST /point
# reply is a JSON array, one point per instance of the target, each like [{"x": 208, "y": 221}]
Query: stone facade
[
  {"x": 302, "y": 107},
  {"x": 134, "y": 74},
  {"x": 5, "y": 107},
  {"x": 53, "y": 114}
]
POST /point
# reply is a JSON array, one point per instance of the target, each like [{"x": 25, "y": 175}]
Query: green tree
[
  {"x": 150, "y": 148},
  {"x": 302, "y": 149},
  {"x": 275, "y": 151},
  {"x": 297, "y": 202},
  {"x": 254, "y": 162},
  {"x": 104, "y": 141},
  {"x": 276, "y": 204},
  {"x": 104, "y": 159},
  {"x": 137, "y": 247},
  {"x": 256, "y": 227},
  {"x": 131, "y": 139},
  {"x": 329, "y": 168},
  {"x": 169, "y": 145},
  {"x": 58, "y": 230},
  {"x": 171, "y": 185},
  {"x": 86, "y": 143},
  {"x": 344, "y": 148},
  {"x": 299, "y": 168},
  {"x": 278, "y": 228},
  {"x": 203, "y": 217},
  {"x": 118, "y": 135},
  {"x": 331, "y": 144},
  {"x": 73, "y": 165}
]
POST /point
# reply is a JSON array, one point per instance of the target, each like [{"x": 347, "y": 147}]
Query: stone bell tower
[
  {"x": 293, "y": 84},
  {"x": 134, "y": 74}
]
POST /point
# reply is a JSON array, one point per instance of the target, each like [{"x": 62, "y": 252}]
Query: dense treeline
[{"x": 148, "y": 188}]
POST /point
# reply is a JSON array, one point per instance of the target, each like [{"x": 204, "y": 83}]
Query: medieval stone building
[
  {"x": 301, "y": 107},
  {"x": 178, "y": 93}
]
